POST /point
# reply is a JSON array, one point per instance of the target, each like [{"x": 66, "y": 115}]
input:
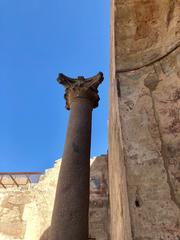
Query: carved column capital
[{"x": 81, "y": 88}]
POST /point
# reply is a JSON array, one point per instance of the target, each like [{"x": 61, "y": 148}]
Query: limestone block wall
[
  {"x": 12, "y": 204},
  {"x": 145, "y": 119},
  {"x": 25, "y": 213}
]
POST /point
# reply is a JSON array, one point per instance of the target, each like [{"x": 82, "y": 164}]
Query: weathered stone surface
[
  {"x": 150, "y": 106},
  {"x": 119, "y": 205},
  {"x": 81, "y": 88},
  {"x": 12, "y": 202},
  {"x": 120, "y": 220},
  {"x": 26, "y": 213},
  {"x": 145, "y": 31},
  {"x": 144, "y": 132},
  {"x": 99, "y": 223}
]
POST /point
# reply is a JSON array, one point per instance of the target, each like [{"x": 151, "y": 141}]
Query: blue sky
[{"x": 39, "y": 39}]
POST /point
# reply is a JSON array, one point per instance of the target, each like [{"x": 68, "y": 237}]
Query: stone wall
[
  {"x": 25, "y": 213},
  {"x": 120, "y": 220},
  {"x": 12, "y": 204},
  {"x": 144, "y": 133}
]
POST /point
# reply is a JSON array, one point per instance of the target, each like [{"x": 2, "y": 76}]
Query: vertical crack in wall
[{"x": 163, "y": 150}]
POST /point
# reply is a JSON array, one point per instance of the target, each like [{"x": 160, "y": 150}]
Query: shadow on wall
[{"x": 45, "y": 235}]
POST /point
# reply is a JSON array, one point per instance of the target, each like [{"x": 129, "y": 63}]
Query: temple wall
[
  {"x": 25, "y": 213},
  {"x": 120, "y": 220},
  {"x": 144, "y": 132}
]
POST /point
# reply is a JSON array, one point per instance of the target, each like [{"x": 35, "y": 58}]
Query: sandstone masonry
[
  {"x": 25, "y": 213},
  {"x": 144, "y": 132}
]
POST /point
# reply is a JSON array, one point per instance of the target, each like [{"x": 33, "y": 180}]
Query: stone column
[{"x": 70, "y": 214}]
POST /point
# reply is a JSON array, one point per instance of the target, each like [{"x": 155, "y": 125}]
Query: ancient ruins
[
  {"x": 144, "y": 127},
  {"x": 26, "y": 210},
  {"x": 135, "y": 189}
]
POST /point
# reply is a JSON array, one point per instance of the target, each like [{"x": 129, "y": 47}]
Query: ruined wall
[
  {"x": 25, "y": 213},
  {"x": 145, "y": 102},
  {"x": 12, "y": 203}
]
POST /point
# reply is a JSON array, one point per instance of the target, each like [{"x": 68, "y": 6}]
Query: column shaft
[{"x": 70, "y": 215}]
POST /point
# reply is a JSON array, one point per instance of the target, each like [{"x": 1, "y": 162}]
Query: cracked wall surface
[{"x": 145, "y": 102}]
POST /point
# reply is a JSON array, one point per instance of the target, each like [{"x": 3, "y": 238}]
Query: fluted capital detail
[{"x": 81, "y": 88}]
